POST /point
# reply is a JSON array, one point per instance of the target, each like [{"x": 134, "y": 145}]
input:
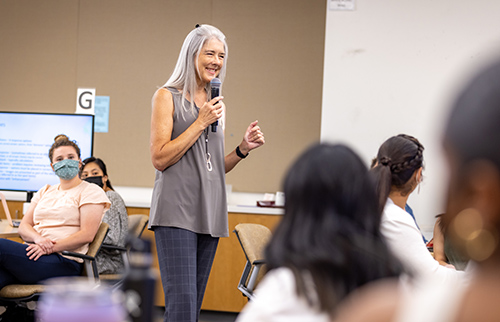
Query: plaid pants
[{"x": 185, "y": 260}]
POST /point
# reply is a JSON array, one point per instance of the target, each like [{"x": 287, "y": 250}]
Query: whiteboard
[{"x": 394, "y": 66}]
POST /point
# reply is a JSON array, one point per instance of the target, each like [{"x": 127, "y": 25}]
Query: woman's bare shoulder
[
  {"x": 376, "y": 302},
  {"x": 162, "y": 93},
  {"x": 162, "y": 103}
]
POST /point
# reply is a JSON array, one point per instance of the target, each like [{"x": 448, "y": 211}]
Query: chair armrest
[
  {"x": 259, "y": 262},
  {"x": 82, "y": 256},
  {"x": 122, "y": 250},
  {"x": 113, "y": 247}
]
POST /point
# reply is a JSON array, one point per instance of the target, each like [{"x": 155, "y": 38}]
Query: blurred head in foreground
[{"x": 329, "y": 236}]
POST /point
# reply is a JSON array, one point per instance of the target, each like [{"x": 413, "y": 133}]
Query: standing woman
[
  {"x": 188, "y": 208},
  {"x": 398, "y": 173}
]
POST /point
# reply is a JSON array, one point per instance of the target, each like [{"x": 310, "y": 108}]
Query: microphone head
[{"x": 215, "y": 82}]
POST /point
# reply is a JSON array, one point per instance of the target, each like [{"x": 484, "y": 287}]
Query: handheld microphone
[{"x": 214, "y": 92}]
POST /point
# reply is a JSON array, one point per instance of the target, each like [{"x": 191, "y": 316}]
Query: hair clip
[{"x": 197, "y": 25}]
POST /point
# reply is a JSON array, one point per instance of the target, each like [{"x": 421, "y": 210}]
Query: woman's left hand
[
  {"x": 34, "y": 252},
  {"x": 45, "y": 244},
  {"x": 252, "y": 139}
]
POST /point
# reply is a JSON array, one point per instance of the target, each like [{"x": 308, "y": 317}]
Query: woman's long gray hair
[{"x": 184, "y": 75}]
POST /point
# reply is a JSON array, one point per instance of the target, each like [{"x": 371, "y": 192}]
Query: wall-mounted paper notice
[
  {"x": 101, "y": 114},
  {"x": 341, "y": 5}
]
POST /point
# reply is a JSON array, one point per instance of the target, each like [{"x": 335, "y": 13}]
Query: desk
[{"x": 6, "y": 230}]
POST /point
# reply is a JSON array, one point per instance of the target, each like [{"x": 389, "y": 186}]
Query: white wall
[{"x": 393, "y": 66}]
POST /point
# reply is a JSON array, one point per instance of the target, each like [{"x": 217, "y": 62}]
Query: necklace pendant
[{"x": 209, "y": 163}]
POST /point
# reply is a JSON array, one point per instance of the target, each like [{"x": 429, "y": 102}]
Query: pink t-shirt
[{"x": 57, "y": 212}]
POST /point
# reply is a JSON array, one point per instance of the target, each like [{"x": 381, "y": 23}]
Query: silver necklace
[{"x": 208, "y": 156}]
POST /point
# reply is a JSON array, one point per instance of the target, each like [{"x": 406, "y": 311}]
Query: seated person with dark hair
[{"x": 109, "y": 261}]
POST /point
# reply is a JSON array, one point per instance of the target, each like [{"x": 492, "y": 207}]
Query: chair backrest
[
  {"x": 96, "y": 244},
  {"x": 253, "y": 239},
  {"x": 137, "y": 224},
  {"x": 90, "y": 267}
]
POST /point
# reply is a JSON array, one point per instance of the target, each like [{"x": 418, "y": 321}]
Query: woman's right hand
[
  {"x": 211, "y": 111},
  {"x": 165, "y": 151},
  {"x": 34, "y": 252}
]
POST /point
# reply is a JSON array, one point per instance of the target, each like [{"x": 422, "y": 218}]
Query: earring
[{"x": 478, "y": 239}]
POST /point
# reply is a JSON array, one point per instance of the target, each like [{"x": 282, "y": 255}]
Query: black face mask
[{"x": 96, "y": 180}]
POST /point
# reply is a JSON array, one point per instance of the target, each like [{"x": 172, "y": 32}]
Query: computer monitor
[{"x": 25, "y": 140}]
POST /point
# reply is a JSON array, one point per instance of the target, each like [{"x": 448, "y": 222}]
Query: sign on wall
[
  {"x": 101, "y": 114},
  {"x": 85, "y": 100}
]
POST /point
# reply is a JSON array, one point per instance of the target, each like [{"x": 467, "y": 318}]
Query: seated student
[
  {"x": 471, "y": 221},
  {"x": 397, "y": 174},
  {"x": 444, "y": 252},
  {"x": 65, "y": 216},
  {"x": 407, "y": 206},
  {"x": 108, "y": 261},
  {"x": 328, "y": 242}
]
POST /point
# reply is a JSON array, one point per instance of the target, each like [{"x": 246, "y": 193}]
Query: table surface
[{"x": 6, "y": 230}]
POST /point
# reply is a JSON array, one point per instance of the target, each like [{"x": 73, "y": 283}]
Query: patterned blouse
[{"x": 110, "y": 261}]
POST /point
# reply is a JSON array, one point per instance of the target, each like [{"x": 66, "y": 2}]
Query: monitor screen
[{"x": 25, "y": 140}]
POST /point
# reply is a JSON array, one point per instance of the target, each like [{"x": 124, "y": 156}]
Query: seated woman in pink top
[{"x": 61, "y": 217}]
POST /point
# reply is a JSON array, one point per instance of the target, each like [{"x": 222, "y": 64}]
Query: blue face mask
[{"x": 67, "y": 169}]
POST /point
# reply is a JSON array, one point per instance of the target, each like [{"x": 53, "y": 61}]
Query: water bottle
[
  {"x": 77, "y": 299},
  {"x": 139, "y": 284}
]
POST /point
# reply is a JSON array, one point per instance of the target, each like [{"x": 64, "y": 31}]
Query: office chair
[
  {"x": 23, "y": 294},
  {"x": 253, "y": 239},
  {"x": 136, "y": 225}
]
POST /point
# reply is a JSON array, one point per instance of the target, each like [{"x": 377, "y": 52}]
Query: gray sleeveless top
[{"x": 186, "y": 195}]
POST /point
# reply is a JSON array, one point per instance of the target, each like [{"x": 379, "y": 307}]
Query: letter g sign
[{"x": 85, "y": 101}]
